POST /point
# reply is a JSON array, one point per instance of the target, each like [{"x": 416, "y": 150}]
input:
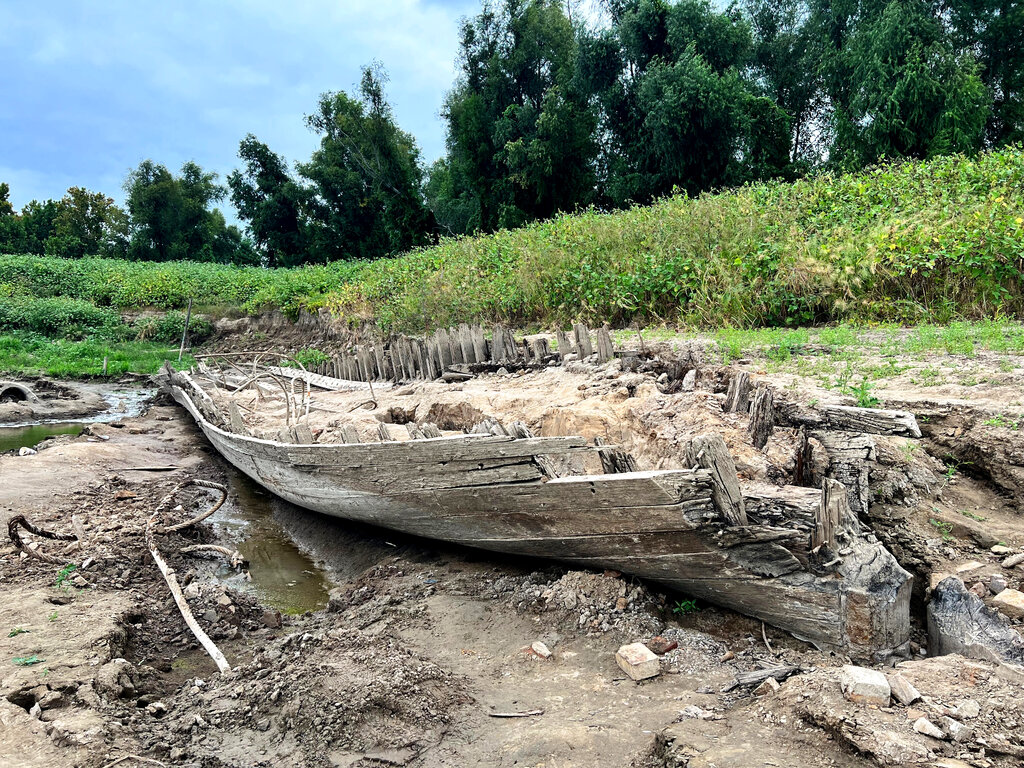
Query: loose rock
[
  {"x": 1010, "y": 602},
  {"x": 638, "y": 661},
  {"x": 864, "y": 686},
  {"x": 928, "y": 728},
  {"x": 905, "y": 693}
]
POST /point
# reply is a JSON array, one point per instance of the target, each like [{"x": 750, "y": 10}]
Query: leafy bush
[
  {"x": 59, "y": 317},
  {"x": 169, "y": 327}
]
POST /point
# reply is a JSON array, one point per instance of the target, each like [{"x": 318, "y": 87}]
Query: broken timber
[{"x": 687, "y": 528}]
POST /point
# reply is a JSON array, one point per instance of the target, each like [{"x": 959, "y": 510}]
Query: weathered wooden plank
[
  {"x": 349, "y": 434},
  {"x": 383, "y": 432},
  {"x": 479, "y": 343},
  {"x": 772, "y": 505},
  {"x": 762, "y": 415},
  {"x": 605, "y": 350},
  {"x": 539, "y": 349},
  {"x": 316, "y": 380},
  {"x": 466, "y": 343},
  {"x": 710, "y": 452},
  {"x": 564, "y": 343},
  {"x": 737, "y": 398},
  {"x": 302, "y": 434},
  {"x": 875, "y": 421},
  {"x": 583, "y": 345},
  {"x": 430, "y": 430},
  {"x": 444, "y": 349}
]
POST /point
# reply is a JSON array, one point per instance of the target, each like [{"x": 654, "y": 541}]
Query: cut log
[
  {"x": 849, "y": 454},
  {"x": 737, "y": 398},
  {"x": 710, "y": 452},
  {"x": 874, "y": 421},
  {"x": 762, "y": 415}
]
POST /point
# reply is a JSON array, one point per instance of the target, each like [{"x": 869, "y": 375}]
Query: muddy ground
[{"x": 417, "y": 645}]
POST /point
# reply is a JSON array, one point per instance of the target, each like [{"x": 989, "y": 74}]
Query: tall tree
[
  {"x": 270, "y": 201},
  {"x": 39, "y": 220},
  {"x": 81, "y": 224},
  {"x": 912, "y": 94},
  {"x": 521, "y": 138},
  {"x": 12, "y": 232},
  {"x": 172, "y": 219},
  {"x": 366, "y": 180},
  {"x": 679, "y": 107}
]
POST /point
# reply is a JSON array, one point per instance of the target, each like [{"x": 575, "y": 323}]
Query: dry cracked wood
[{"x": 710, "y": 452}]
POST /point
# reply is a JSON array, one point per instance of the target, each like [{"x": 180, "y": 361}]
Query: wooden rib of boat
[{"x": 797, "y": 558}]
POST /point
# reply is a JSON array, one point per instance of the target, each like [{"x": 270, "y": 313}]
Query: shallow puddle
[{"x": 13, "y": 438}]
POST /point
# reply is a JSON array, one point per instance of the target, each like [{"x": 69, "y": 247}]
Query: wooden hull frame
[{"x": 490, "y": 493}]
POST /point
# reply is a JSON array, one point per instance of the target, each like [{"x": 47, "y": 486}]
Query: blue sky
[{"x": 89, "y": 89}]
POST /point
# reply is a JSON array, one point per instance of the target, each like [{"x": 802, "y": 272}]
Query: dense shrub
[{"x": 59, "y": 317}]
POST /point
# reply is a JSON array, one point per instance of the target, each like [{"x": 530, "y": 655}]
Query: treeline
[{"x": 554, "y": 112}]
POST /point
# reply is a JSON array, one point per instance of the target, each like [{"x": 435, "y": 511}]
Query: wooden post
[
  {"x": 564, "y": 343},
  {"x": 737, "y": 399},
  {"x": 105, "y": 358},
  {"x": 605, "y": 351},
  {"x": 184, "y": 335},
  {"x": 710, "y": 452},
  {"x": 762, "y": 415},
  {"x": 583, "y": 345}
]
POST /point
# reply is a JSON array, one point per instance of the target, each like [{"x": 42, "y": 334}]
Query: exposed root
[{"x": 165, "y": 504}]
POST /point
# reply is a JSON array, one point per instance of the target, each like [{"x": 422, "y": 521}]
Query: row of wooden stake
[{"x": 407, "y": 358}]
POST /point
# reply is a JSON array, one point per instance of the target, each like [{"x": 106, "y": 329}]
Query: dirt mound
[
  {"x": 585, "y": 601},
  {"x": 331, "y": 697}
]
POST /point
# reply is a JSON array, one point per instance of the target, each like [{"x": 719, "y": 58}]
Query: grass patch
[{"x": 31, "y": 354}]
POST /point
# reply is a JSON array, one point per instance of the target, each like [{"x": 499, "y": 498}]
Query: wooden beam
[{"x": 710, "y": 452}]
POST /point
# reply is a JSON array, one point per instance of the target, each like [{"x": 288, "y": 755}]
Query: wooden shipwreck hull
[{"x": 801, "y": 562}]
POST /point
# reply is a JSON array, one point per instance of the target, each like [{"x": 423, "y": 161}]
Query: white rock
[
  {"x": 26, "y": 451},
  {"x": 1013, "y": 560},
  {"x": 928, "y": 728},
  {"x": 1000, "y": 549},
  {"x": 864, "y": 686},
  {"x": 971, "y": 565},
  {"x": 541, "y": 650},
  {"x": 905, "y": 693},
  {"x": 638, "y": 661},
  {"x": 956, "y": 730},
  {"x": 968, "y": 709},
  {"x": 1010, "y": 602}
]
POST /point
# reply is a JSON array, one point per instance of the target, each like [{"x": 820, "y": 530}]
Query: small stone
[
  {"x": 503, "y": 371},
  {"x": 51, "y": 700},
  {"x": 955, "y": 730},
  {"x": 769, "y": 686},
  {"x": 662, "y": 645},
  {"x": 621, "y": 604},
  {"x": 638, "y": 661},
  {"x": 1000, "y": 549},
  {"x": 905, "y": 693},
  {"x": 541, "y": 650},
  {"x": 968, "y": 709},
  {"x": 928, "y": 728},
  {"x": 224, "y": 600},
  {"x": 157, "y": 709},
  {"x": 1013, "y": 560},
  {"x": 997, "y": 583},
  {"x": 689, "y": 380},
  {"x": 25, "y": 451},
  {"x": 864, "y": 686},
  {"x": 978, "y": 588},
  {"x": 210, "y": 615},
  {"x": 272, "y": 619},
  {"x": 79, "y": 581},
  {"x": 727, "y": 656},
  {"x": 971, "y": 565},
  {"x": 1010, "y": 602}
]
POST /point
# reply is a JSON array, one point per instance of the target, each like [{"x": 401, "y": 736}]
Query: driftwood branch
[
  {"x": 233, "y": 556},
  {"x": 179, "y": 598}
]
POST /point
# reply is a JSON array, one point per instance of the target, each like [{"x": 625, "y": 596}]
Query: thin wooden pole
[{"x": 184, "y": 333}]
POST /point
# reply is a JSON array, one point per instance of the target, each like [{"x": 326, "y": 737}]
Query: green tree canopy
[{"x": 366, "y": 183}]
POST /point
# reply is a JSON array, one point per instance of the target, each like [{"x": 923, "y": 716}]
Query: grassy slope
[{"x": 914, "y": 242}]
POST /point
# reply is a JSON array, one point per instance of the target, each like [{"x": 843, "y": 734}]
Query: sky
[{"x": 90, "y": 89}]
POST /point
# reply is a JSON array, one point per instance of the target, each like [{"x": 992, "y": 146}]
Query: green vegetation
[
  {"x": 17, "y": 631},
  {"x": 31, "y": 354},
  {"x": 908, "y": 243},
  {"x": 944, "y": 528},
  {"x": 63, "y": 575},
  {"x": 27, "y": 661},
  {"x": 685, "y": 606}
]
